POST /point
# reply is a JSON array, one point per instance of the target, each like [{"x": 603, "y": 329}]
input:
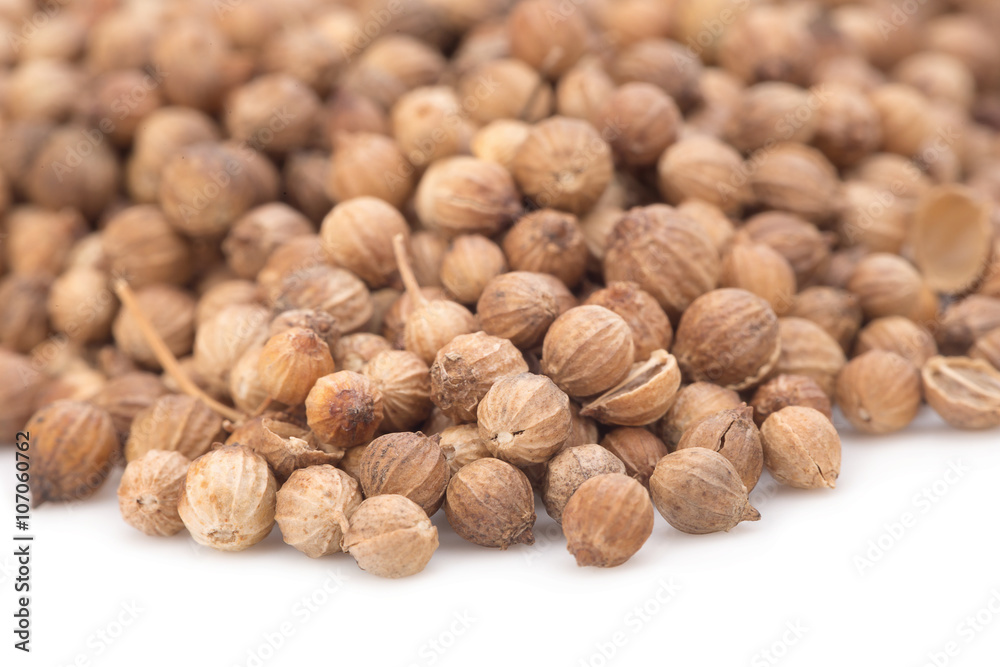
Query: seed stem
[
  {"x": 166, "y": 357},
  {"x": 406, "y": 271}
]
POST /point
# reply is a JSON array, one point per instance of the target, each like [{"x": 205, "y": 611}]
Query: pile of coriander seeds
[{"x": 339, "y": 266}]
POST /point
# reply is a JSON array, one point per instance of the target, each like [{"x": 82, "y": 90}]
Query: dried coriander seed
[
  {"x": 150, "y": 489},
  {"x": 228, "y": 499},
  {"x": 801, "y": 448},
  {"x": 313, "y": 509},
  {"x": 787, "y": 390},
  {"x": 965, "y": 392},
  {"x": 406, "y": 464},
  {"x": 390, "y": 536},
  {"x": 173, "y": 423},
  {"x": 651, "y": 329},
  {"x": 696, "y": 400},
  {"x": 698, "y": 491},
  {"x": 74, "y": 445},
  {"x": 607, "y": 520},
  {"x": 291, "y": 362},
  {"x": 403, "y": 379},
  {"x": 466, "y": 368},
  {"x": 344, "y": 409},
  {"x": 899, "y": 335},
  {"x": 571, "y": 468},
  {"x": 491, "y": 503},
  {"x": 548, "y": 241},
  {"x": 524, "y": 419},
  {"x": 638, "y": 449},
  {"x": 879, "y": 392},
  {"x": 521, "y": 306},
  {"x": 587, "y": 350},
  {"x": 469, "y": 265},
  {"x": 729, "y": 337}
]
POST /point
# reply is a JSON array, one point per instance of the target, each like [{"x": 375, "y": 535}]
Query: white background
[{"x": 821, "y": 580}]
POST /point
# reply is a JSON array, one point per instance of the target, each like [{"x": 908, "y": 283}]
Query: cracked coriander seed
[{"x": 801, "y": 448}]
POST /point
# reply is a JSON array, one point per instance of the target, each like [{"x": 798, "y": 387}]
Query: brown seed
[
  {"x": 465, "y": 369},
  {"x": 291, "y": 363},
  {"x": 887, "y": 285},
  {"x": 258, "y": 233},
  {"x": 698, "y": 491},
  {"x": 317, "y": 321},
  {"x": 696, "y": 400},
  {"x": 351, "y": 463},
  {"x": 785, "y": 390},
  {"x": 403, "y": 379},
  {"x": 551, "y": 47},
  {"x": 730, "y": 337},
  {"x": 564, "y": 163},
  {"x": 524, "y": 419},
  {"x": 222, "y": 340},
  {"x": 469, "y": 265},
  {"x": 665, "y": 64},
  {"x": 521, "y": 306},
  {"x": 760, "y": 270},
  {"x": 353, "y": 352},
  {"x": 344, "y": 409},
  {"x": 667, "y": 254},
  {"x": 171, "y": 311},
  {"x": 571, "y": 468},
  {"x": 223, "y": 294},
  {"x": 357, "y": 235},
  {"x": 548, "y": 241},
  {"x": 313, "y": 508},
  {"x": 587, "y": 350},
  {"x": 149, "y": 491},
  {"x": 651, "y": 329},
  {"x": 899, "y": 335},
  {"x": 73, "y": 446},
  {"x": 250, "y": 112},
  {"x": 835, "y": 310},
  {"x": 638, "y": 449},
  {"x": 338, "y": 292},
  {"x": 173, "y": 423},
  {"x": 23, "y": 315},
  {"x": 369, "y": 165},
  {"x": 801, "y": 448},
  {"x": 81, "y": 305},
  {"x": 796, "y": 178},
  {"x": 462, "y": 445},
  {"x": 704, "y": 168},
  {"x": 490, "y": 503},
  {"x": 642, "y": 397},
  {"x": 607, "y": 520},
  {"x": 465, "y": 195},
  {"x": 806, "y": 349},
  {"x": 228, "y": 499},
  {"x": 285, "y": 445},
  {"x": 879, "y": 392},
  {"x": 733, "y": 434},
  {"x": 766, "y": 106},
  {"x": 642, "y": 120},
  {"x": 428, "y": 124},
  {"x": 390, "y": 536},
  {"x": 407, "y": 464},
  {"x": 805, "y": 248},
  {"x": 126, "y": 395},
  {"x": 965, "y": 392}
]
